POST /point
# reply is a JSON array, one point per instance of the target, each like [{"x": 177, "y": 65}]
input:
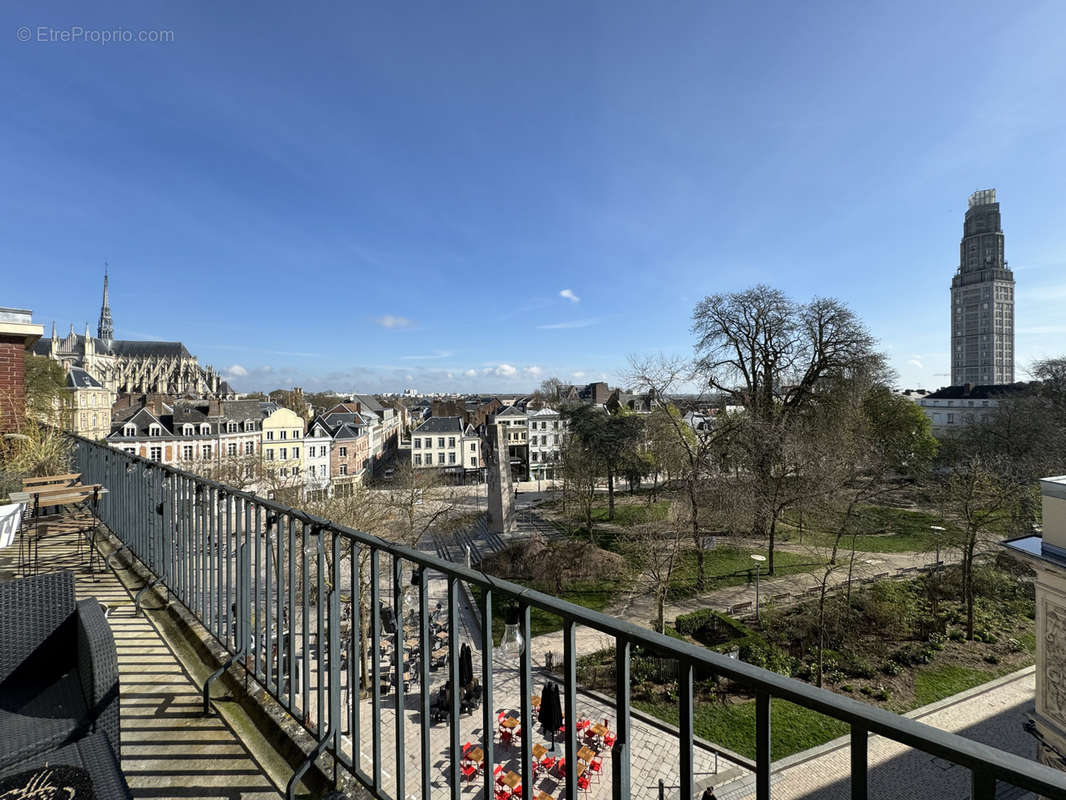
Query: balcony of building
[{"x": 316, "y": 636}]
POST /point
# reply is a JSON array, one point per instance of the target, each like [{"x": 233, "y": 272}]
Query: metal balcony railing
[{"x": 282, "y": 590}]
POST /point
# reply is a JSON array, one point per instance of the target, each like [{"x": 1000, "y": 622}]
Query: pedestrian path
[{"x": 993, "y": 714}]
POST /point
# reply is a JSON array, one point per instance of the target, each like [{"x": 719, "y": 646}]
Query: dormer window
[
  {"x": 231, "y": 427},
  {"x": 186, "y": 430},
  {"x": 129, "y": 430},
  {"x": 205, "y": 429},
  {"x": 155, "y": 430},
  {"x": 249, "y": 425}
]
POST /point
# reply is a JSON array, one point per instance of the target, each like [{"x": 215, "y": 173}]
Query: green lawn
[
  {"x": 596, "y": 595},
  {"x": 627, "y": 514},
  {"x": 937, "y": 682},
  {"x": 792, "y": 728},
  {"x": 882, "y": 530},
  {"x": 732, "y": 566}
]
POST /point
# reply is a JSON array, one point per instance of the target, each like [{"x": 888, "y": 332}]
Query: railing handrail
[{"x": 976, "y": 756}]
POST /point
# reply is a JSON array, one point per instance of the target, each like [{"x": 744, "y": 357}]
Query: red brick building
[{"x": 17, "y": 335}]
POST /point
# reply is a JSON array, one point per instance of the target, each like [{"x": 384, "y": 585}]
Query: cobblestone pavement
[
  {"x": 994, "y": 716},
  {"x": 655, "y": 752}
]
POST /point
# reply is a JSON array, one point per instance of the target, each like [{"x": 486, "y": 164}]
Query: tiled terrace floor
[{"x": 169, "y": 749}]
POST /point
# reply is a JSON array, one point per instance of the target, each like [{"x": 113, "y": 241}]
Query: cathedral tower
[{"x": 106, "y": 329}]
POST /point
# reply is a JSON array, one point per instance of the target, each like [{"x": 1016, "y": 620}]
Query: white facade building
[
  {"x": 317, "y": 443},
  {"x": 546, "y": 432},
  {"x": 443, "y": 443}
]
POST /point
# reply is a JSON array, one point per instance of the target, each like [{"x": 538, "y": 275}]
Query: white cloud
[
  {"x": 569, "y": 295},
  {"x": 390, "y": 321},
  {"x": 914, "y": 362},
  {"x": 438, "y": 354},
  {"x": 577, "y": 323},
  {"x": 578, "y": 374},
  {"x": 505, "y": 370},
  {"x": 237, "y": 370},
  {"x": 535, "y": 371},
  {"x": 471, "y": 373}
]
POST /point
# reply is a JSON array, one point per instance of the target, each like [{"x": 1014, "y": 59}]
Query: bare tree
[
  {"x": 690, "y": 453},
  {"x": 774, "y": 357},
  {"x": 656, "y": 547},
  {"x": 981, "y": 500}
]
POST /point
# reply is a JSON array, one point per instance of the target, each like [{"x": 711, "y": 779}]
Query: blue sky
[{"x": 368, "y": 197}]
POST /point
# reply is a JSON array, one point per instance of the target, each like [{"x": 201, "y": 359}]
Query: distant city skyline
[{"x": 342, "y": 198}]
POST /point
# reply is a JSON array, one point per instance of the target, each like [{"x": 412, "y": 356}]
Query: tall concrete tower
[
  {"x": 982, "y": 299},
  {"x": 105, "y": 329}
]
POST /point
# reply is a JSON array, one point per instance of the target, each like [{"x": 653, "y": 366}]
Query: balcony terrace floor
[{"x": 169, "y": 748}]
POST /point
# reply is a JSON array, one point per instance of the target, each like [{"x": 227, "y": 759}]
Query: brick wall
[{"x": 12, "y": 382}]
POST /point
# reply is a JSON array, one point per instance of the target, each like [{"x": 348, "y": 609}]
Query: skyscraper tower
[
  {"x": 105, "y": 329},
  {"x": 982, "y": 299}
]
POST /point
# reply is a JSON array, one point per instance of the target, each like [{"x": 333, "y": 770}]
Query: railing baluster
[
  {"x": 270, "y": 532},
  {"x": 570, "y": 705},
  {"x": 488, "y": 710},
  {"x": 398, "y": 650},
  {"x": 305, "y": 625},
  {"x": 525, "y": 705},
  {"x": 620, "y": 753},
  {"x": 355, "y": 658},
  {"x": 375, "y": 671},
  {"x": 762, "y": 745},
  {"x": 859, "y": 762},
  {"x": 684, "y": 691},
  {"x": 983, "y": 784},
  {"x": 290, "y": 613},
  {"x": 321, "y": 645},
  {"x": 455, "y": 748},
  {"x": 425, "y": 648}
]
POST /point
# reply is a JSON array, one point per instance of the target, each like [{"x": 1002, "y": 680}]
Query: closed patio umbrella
[
  {"x": 466, "y": 666},
  {"x": 554, "y": 710}
]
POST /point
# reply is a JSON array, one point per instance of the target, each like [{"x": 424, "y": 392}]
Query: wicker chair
[{"x": 58, "y": 669}]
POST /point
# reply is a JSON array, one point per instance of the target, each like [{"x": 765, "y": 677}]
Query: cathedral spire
[{"x": 106, "y": 329}]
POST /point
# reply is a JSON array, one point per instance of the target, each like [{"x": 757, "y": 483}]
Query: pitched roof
[
  {"x": 242, "y": 409},
  {"x": 441, "y": 425},
  {"x": 988, "y": 391},
  {"x": 77, "y": 378},
  {"x": 510, "y": 411}
]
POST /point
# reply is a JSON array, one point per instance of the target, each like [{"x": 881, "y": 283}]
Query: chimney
[{"x": 214, "y": 407}]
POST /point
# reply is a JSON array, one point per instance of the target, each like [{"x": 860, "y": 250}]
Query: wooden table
[
  {"x": 510, "y": 779},
  {"x": 69, "y": 479},
  {"x": 475, "y": 754},
  {"x": 544, "y": 796},
  {"x": 539, "y": 750},
  {"x": 598, "y": 729},
  {"x": 510, "y": 723},
  {"x": 535, "y": 701},
  {"x": 586, "y": 753}
]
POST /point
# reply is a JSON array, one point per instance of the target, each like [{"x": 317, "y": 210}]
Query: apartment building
[
  {"x": 88, "y": 411},
  {"x": 443, "y": 443},
  {"x": 316, "y": 464},
  {"x": 283, "y": 433},
  {"x": 547, "y": 430}
]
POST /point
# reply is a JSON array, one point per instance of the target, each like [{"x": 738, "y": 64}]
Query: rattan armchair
[{"x": 58, "y": 669}]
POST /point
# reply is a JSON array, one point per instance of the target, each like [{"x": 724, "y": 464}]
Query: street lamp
[
  {"x": 937, "y": 530},
  {"x": 758, "y": 559}
]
